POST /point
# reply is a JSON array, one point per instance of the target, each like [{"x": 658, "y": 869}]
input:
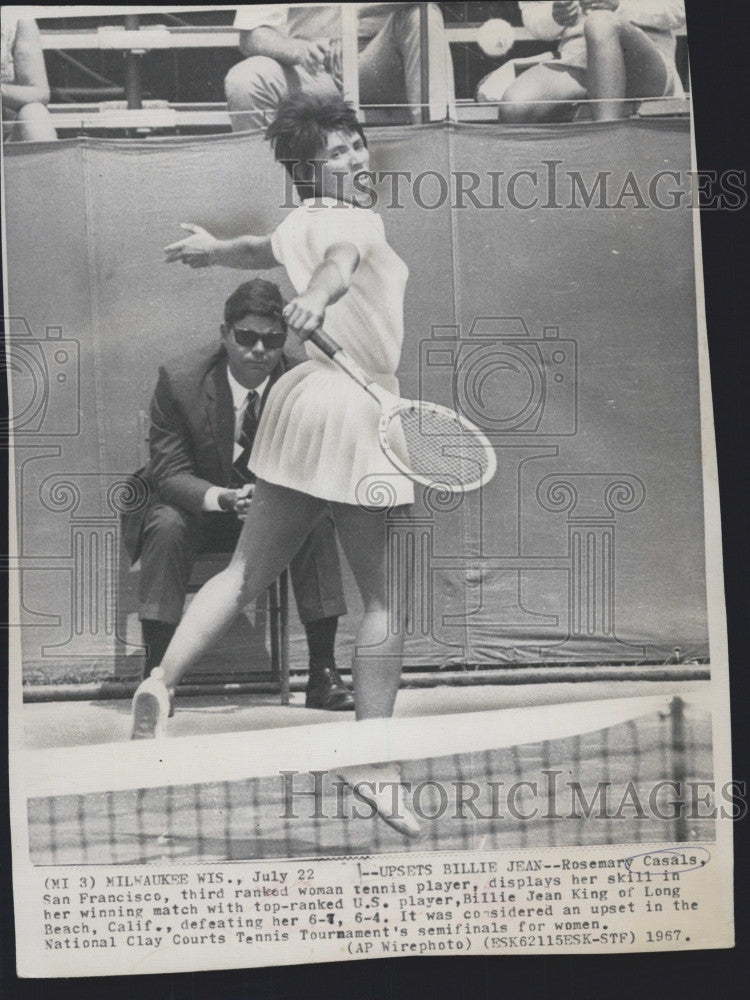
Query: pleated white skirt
[{"x": 318, "y": 435}]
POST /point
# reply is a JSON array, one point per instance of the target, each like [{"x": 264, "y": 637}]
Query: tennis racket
[{"x": 426, "y": 442}]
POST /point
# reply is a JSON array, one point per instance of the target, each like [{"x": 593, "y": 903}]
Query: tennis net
[{"x": 629, "y": 782}]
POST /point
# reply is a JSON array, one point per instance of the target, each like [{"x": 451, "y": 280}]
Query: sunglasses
[{"x": 249, "y": 338}]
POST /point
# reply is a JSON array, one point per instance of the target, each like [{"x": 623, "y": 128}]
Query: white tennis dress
[{"x": 318, "y": 432}]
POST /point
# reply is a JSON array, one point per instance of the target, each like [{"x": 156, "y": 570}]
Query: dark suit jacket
[{"x": 191, "y": 435}]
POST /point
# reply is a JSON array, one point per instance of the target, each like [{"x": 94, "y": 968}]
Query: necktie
[{"x": 240, "y": 472}]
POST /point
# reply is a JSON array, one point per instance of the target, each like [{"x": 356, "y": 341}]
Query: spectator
[
  {"x": 290, "y": 49},
  {"x": 25, "y": 90},
  {"x": 608, "y": 51}
]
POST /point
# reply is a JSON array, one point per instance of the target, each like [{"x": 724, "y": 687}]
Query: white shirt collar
[{"x": 239, "y": 392}]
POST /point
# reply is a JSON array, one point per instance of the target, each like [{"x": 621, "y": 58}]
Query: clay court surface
[{"x": 79, "y": 723}]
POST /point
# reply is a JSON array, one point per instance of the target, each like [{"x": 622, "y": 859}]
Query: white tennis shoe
[{"x": 152, "y": 706}]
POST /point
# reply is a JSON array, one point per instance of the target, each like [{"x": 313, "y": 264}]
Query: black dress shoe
[{"x": 326, "y": 689}]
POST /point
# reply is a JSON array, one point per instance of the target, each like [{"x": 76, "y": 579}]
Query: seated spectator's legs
[
  {"x": 390, "y": 66},
  {"x": 316, "y": 575},
  {"x": 171, "y": 542},
  {"x": 534, "y": 95},
  {"x": 24, "y": 82},
  {"x": 172, "y": 539},
  {"x": 33, "y": 124},
  {"x": 622, "y": 62},
  {"x": 256, "y": 86},
  {"x": 316, "y": 579}
]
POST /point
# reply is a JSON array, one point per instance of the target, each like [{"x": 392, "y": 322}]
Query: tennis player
[{"x": 316, "y": 446}]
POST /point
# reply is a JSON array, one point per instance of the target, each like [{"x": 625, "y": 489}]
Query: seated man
[
  {"x": 608, "y": 51},
  {"x": 25, "y": 90},
  {"x": 204, "y": 414},
  {"x": 291, "y": 48}
]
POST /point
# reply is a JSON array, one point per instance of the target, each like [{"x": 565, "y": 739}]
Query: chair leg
[
  {"x": 284, "y": 635},
  {"x": 274, "y": 626}
]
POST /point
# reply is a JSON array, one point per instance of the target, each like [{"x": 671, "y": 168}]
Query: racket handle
[
  {"x": 326, "y": 344},
  {"x": 336, "y": 353}
]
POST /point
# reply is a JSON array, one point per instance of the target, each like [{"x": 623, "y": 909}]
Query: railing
[{"x": 169, "y": 36}]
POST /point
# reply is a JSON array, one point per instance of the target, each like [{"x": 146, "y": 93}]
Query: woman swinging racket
[{"x": 317, "y": 444}]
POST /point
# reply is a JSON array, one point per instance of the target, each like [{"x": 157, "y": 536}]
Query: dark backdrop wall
[{"x": 568, "y": 333}]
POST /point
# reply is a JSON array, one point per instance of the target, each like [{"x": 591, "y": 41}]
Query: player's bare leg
[
  {"x": 378, "y": 654},
  {"x": 378, "y": 657},
  {"x": 277, "y": 523}
]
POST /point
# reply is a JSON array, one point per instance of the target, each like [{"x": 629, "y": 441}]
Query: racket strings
[{"x": 436, "y": 446}]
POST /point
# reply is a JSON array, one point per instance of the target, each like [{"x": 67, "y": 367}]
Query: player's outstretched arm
[
  {"x": 330, "y": 280},
  {"x": 201, "y": 249}
]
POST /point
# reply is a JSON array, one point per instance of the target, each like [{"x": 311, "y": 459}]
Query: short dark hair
[
  {"x": 299, "y": 132},
  {"x": 256, "y": 296}
]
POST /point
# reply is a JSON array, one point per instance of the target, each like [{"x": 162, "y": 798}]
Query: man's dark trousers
[{"x": 172, "y": 539}]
